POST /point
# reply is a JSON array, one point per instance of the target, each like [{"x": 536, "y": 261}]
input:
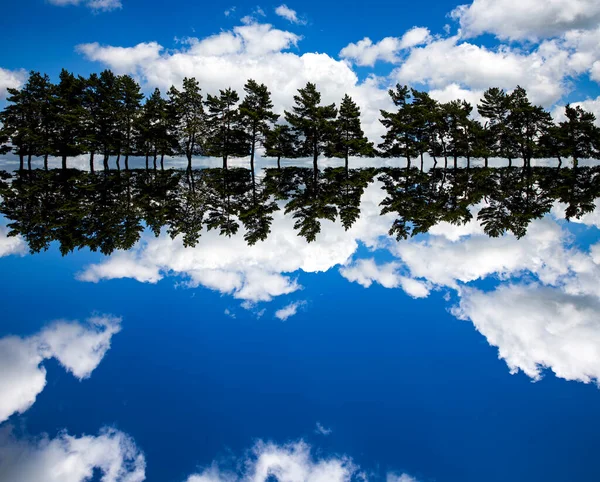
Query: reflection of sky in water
[{"x": 356, "y": 343}]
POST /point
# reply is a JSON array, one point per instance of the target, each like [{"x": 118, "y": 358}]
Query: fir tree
[
  {"x": 187, "y": 111},
  {"x": 348, "y": 136},
  {"x": 256, "y": 115},
  {"x": 225, "y": 134},
  {"x": 311, "y": 122}
]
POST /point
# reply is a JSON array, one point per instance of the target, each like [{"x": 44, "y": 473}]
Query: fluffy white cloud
[
  {"x": 289, "y": 14},
  {"x": 365, "y": 52},
  {"x": 291, "y": 462},
  {"x": 289, "y": 310},
  {"x": 11, "y": 245},
  {"x": 11, "y": 79},
  {"x": 526, "y": 19},
  {"x": 536, "y": 327},
  {"x": 543, "y": 71},
  {"x": 95, "y": 5},
  {"x": 71, "y": 459},
  {"x": 444, "y": 262},
  {"x": 366, "y": 271},
  {"x": 251, "y": 273},
  {"x": 78, "y": 347},
  {"x": 286, "y": 463},
  {"x": 256, "y": 51}
]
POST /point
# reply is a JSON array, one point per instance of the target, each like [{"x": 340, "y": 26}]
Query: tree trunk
[
  {"x": 485, "y": 161},
  {"x": 162, "y": 161},
  {"x": 29, "y": 161},
  {"x": 455, "y": 161},
  {"x": 147, "y": 155},
  {"x": 252, "y": 161},
  {"x": 421, "y": 161},
  {"x": 64, "y": 162},
  {"x": 509, "y": 162},
  {"x": 21, "y": 161},
  {"x": 106, "y": 156},
  {"x": 92, "y": 162},
  {"x": 559, "y": 162},
  {"x": 279, "y": 162},
  {"x": 189, "y": 158},
  {"x": 155, "y": 156},
  {"x": 46, "y": 162},
  {"x": 224, "y": 162},
  {"x": 127, "y": 162},
  {"x": 118, "y": 161}
]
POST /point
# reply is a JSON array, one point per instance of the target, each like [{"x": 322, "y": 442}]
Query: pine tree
[
  {"x": 67, "y": 114},
  {"x": 280, "y": 143},
  {"x": 188, "y": 111},
  {"x": 399, "y": 140},
  {"x": 311, "y": 122},
  {"x": 526, "y": 123},
  {"x": 580, "y": 134},
  {"x": 256, "y": 115},
  {"x": 225, "y": 134},
  {"x": 130, "y": 97},
  {"x": 495, "y": 106},
  {"x": 348, "y": 136}
]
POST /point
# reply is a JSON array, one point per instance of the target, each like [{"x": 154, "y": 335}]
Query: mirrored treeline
[{"x": 109, "y": 210}]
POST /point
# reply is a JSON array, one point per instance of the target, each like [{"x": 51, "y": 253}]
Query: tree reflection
[{"x": 109, "y": 210}]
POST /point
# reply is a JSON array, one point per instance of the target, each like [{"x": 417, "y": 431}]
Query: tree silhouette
[
  {"x": 348, "y": 138},
  {"x": 311, "y": 122},
  {"x": 187, "y": 109},
  {"x": 256, "y": 115},
  {"x": 279, "y": 143},
  {"x": 225, "y": 134}
]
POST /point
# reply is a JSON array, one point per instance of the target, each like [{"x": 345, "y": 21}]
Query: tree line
[
  {"x": 108, "y": 115},
  {"x": 109, "y": 210}
]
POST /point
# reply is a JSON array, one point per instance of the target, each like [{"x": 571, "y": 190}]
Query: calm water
[{"x": 379, "y": 322}]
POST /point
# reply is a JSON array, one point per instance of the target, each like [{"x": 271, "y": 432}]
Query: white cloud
[
  {"x": 289, "y": 310},
  {"x": 78, "y": 347},
  {"x": 543, "y": 71},
  {"x": 251, "y": 273},
  {"x": 11, "y": 79},
  {"x": 71, "y": 459},
  {"x": 590, "y": 105},
  {"x": 256, "y": 51},
  {"x": 535, "y": 327},
  {"x": 292, "y": 462},
  {"x": 11, "y": 244},
  {"x": 286, "y": 463},
  {"x": 526, "y": 19},
  {"x": 400, "y": 478},
  {"x": 366, "y": 271},
  {"x": 321, "y": 430},
  {"x": 415, "y": 36},
  {"x": 365, "y": 52},
  {"x": 95, "y": 5},
  {"x": 289, "y": 14}
]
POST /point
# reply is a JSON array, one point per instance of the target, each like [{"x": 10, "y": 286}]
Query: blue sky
[{"x": 447, "y": 357}]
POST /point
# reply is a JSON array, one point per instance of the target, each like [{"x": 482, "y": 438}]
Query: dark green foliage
[
  {"x": 348, "y": 138},
  {"x": 226, "y": 136},
  {"x": 311, "y": 123},
  {"x": 256, "y": 115},
  {"x": 280, "y": 143},
  {"x": 186, "y": 111}
]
